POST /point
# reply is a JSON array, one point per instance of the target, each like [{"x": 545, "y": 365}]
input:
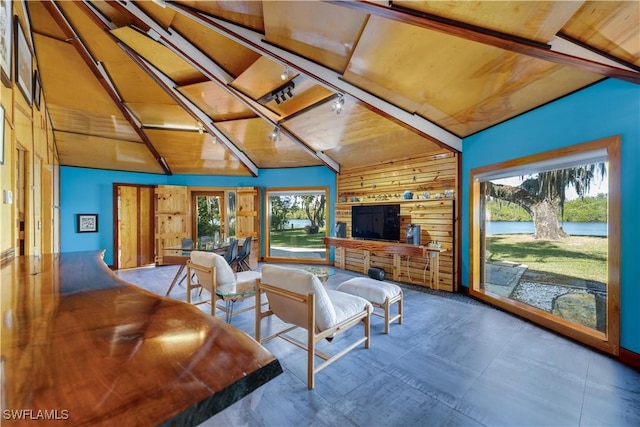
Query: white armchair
[
  {"x": 298, "y": 298},
  {"x": 214, "y": 274}
]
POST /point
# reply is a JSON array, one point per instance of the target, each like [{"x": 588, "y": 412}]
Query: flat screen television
[{"x": 376, "y": 222}]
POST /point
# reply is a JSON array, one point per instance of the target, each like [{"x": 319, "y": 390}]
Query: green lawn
[
  {"x": 298, "y": 238},
  {"x": 577, "y": 257}
]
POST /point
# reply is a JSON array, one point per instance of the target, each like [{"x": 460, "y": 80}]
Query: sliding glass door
[
  {"x": 209, "y": 215},
  {"x": 296, "y": 224}
]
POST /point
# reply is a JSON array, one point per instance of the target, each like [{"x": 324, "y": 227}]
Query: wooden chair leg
[{"x": 387, "y": 310}]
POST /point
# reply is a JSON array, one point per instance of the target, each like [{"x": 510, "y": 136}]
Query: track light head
[
  {"x": 275, "y": 134},
  {"x": 285, "y": 74},
  {"x": 337, "y": 105}
]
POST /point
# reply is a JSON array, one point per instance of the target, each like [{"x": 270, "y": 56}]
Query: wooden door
[
  {"x": 134, "y": 238},
  {"x": 146, "y": 228},
  {"x": 36, "y": 242},
  {"x": 248, "y": 220},
  {"x": 171, "y": 225},
  {"x": 127, "y": 227},
  {"x": 47, "y": 210}
]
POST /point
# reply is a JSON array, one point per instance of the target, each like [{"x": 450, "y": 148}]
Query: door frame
[{"x": 116, "y": 224}]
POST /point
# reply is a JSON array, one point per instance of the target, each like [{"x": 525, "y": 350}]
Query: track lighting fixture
[
  {"x": 283, "y": 93},
  {"x": 337, "y": 105},
  {"x": 285, "y": 74},
  {"x": 275, "y": 134}
]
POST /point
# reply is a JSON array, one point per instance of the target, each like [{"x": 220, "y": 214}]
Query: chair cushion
[
  {"x": 369, "y": 289},
  {"x": 243, "y": 277},
  {"x": 301, "y": 282},
  {"x": 347, "y": 305},
  {"x": 224, "y": 273}
]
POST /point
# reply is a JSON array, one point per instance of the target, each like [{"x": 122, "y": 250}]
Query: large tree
[
  {"x": 544, "y": 194},
  {"x": 314, "y": 209},
  {"x": 280, "y": 207}
]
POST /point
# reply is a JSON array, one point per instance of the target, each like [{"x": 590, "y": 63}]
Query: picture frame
[
  {"x": 6, "y": 41},
  {"x": 37, "y": 90},
  {"x": 1, "y": 135},
  {"x": 24, "y": 64},
  {"x": 87, "y": 223}
]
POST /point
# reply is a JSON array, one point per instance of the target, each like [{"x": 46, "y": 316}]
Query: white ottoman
[{"x": 379, "y": 294}]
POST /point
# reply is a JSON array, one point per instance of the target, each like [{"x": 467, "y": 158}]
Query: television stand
[{"x": 397, "y": 249}]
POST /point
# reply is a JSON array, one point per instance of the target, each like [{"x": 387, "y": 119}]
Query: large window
[
  {"x": 545, "y": 240},
  {"x": 296, "y": 224}
]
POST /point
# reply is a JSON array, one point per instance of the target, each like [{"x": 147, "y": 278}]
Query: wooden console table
[
  {"x": 397, "y": 249},
  {"x": 81, "y": 345}
]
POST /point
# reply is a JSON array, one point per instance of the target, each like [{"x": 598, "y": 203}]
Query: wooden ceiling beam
[
  {"x": 102, "y": 76},
  {"x": 192, "y": 55},
  {"x": 323, "y": 76},
  {"x": 169, "y": 86},
  {"x": 601, "y": 65}
]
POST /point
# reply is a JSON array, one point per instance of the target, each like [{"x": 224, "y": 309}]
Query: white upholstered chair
[
  {"x": 213, "y": 273},
  {"x": 298, "y": 298}
]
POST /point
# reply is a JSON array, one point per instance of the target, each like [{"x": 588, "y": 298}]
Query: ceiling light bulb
[
  {"x": 337, "y": 105},
  {"x": 285, "y": 74},
  {"x": 275, "y": 135}
]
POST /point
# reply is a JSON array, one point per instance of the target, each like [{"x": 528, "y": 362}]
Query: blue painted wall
[
  {"x": 91, "y": 191},
  {"x": 608, "y": 108}
]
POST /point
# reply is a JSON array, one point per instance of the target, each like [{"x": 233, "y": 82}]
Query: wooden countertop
[
  {"x": 378, "y": 245},
  {"x": 99, "y": 351}
]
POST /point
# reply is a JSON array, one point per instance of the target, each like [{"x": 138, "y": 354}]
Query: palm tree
[{"x": 543, "y": 196}]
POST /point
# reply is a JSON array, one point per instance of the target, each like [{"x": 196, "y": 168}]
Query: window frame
[
  {"x": 608, "y": 341},
  {"x": 267, "y": 223}
]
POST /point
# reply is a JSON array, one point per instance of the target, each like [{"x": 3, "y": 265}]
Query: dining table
[{"x": 179, "y": 256}]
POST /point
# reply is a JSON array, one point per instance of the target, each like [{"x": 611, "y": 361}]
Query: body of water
[
  {"x": 298, "y": 223},
  {"x": 573, "y": 228}
]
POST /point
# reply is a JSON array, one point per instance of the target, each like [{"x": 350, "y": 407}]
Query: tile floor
[{"x": 453, "y": 362}]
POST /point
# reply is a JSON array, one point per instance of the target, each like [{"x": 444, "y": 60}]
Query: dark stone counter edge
[{"x": 215, "y": 403}]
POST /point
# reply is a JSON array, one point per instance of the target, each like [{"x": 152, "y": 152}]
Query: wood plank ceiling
[{"x": 198, "y": 87}]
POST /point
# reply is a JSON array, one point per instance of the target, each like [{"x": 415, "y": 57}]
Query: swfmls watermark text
[{"x": 35, "y": 414}]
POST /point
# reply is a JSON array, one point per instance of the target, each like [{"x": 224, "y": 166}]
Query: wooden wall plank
[{"x": 433, "y": 174}]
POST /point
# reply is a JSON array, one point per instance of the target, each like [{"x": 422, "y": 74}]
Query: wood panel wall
[
  {"x": 29, "y": 224},
  {"x": 433, "y": 182}
]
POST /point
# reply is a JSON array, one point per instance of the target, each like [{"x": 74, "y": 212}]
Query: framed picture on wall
[
  {"x": 6, "y": 40},
  {"x": 37, "y": 90},
  {"x": 24, "y": 64},
  {"x": 87, "y": 223},
  {"x": 1, "y": 135}
]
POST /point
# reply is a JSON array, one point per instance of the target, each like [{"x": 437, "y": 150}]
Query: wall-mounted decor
[
  {"x": 37, "y": 89},
  {"x": 24, "y": 64},
  {"x": 1, "y": 135},
  {"x": 6, "y": 47},
  {"x": 87, "y": 223}
]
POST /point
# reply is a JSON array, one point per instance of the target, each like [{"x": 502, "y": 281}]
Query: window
[
  {"x": 545, "y": 239},
  {"x": 296, "y": 224}
]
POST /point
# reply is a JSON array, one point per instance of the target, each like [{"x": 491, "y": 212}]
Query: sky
[{"x": 597, "y": 186}]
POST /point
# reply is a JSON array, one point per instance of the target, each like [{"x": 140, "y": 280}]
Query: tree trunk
[
  {"x": 545, "y": 220},
  {"x": 543, "y": 211}
]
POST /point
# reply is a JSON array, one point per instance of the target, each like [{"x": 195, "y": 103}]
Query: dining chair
[
  {"x": 242, "y": 260},
  {"x": 186, "y": 244},
  {"x": 231, "y": 253},
  {"x": 298, "y": 298}
]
